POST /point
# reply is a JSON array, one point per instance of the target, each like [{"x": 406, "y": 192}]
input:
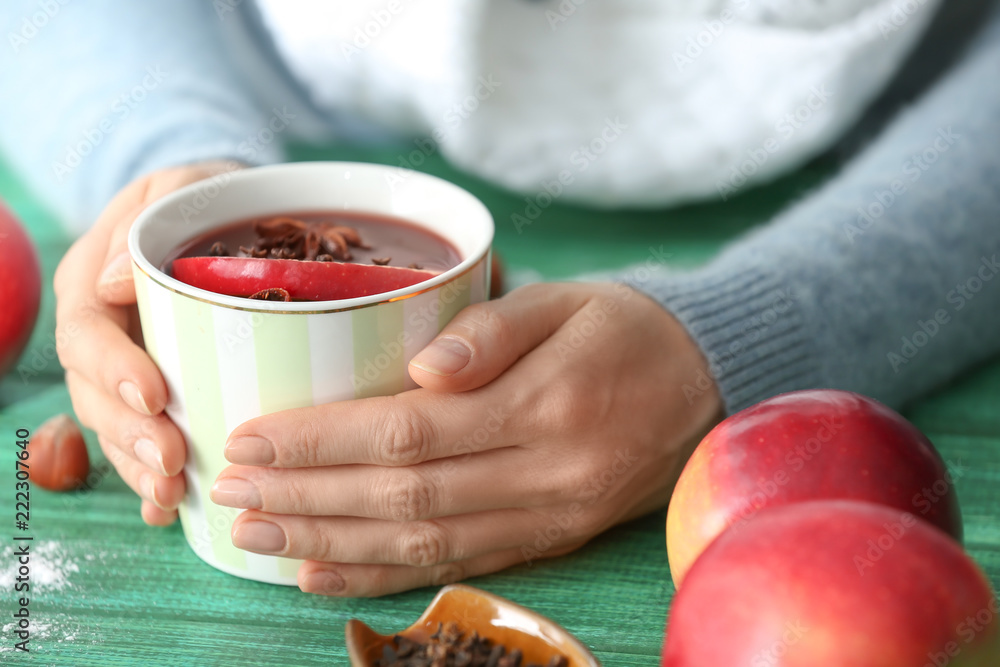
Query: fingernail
[
  {"x": 147, "y": 487},
  {"x": 129, "y": 391},
  {"x": 261, "y": 536},
  {"x": 324, "y": 583},
  {"x": 445, "y": 356},
  {"x": 150, "y": 455},
  {"x": 235, "y": 492},
  {"x": 250, "y": 450},
  {"x": 115, "y": 272}
]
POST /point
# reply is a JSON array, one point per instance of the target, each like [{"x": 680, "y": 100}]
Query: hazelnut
[{"x": 57, "y": 455}]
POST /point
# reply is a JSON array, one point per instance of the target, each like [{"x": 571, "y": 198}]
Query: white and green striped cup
[{"x": 228, "y": 359}]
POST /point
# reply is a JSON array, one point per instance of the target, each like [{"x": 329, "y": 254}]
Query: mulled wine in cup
[
  {"x": 294, "y": 285},
  {"x": 312, "y": 256}
]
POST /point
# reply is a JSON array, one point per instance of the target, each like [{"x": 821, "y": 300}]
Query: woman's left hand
[{"x": 543, "y": 419}]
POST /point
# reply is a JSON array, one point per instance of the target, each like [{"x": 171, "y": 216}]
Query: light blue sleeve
[{"x": 98, "y": 92}]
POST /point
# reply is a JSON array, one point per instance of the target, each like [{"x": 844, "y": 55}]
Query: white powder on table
[
  {"x": 50, "y": 569},
  {"x": 50, "y": 566}
]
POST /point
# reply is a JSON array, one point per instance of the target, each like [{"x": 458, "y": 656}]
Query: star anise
[
  {"x": 272, "y": 294},
  {"x": 289, "y": 238}
]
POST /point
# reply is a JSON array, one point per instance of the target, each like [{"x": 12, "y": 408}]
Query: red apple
[
  {"x": 20, "y": 289},
  {"x": 304, "y": 280},
  {"x": 805, "y": 445},
  {"x": 834, "y": 583}
]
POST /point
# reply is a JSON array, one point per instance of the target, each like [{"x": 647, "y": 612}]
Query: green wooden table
[{"x": 108, "y": 590}]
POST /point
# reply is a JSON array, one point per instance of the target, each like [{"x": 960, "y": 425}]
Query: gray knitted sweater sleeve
[{"x": 886, "y": 281}]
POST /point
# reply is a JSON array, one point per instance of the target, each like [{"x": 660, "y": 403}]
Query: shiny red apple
[
  {"x": 20, "y": 289},
  {"x": 805, "y": 445},
  {"x": 834, "y": 583}
]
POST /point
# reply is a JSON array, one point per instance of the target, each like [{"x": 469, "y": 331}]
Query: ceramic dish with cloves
[{"x": 468, "y": 627}]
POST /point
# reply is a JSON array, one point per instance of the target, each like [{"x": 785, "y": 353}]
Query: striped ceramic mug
[{"x": 217, "y": 353}]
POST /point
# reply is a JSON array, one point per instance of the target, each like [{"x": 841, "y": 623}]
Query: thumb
[
  {"x": 486, "y": 339},
  {"x": 115, "y": 285}
]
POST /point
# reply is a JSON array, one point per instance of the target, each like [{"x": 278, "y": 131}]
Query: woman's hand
[
  {"x": 544, "y": 418},
  {"x": 116, "y": 388}
]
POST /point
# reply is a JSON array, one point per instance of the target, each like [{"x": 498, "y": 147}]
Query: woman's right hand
[{"x": 115, "y": 387}]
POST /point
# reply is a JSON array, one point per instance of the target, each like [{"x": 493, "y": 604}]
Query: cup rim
[{"x": 170, "y": 283}]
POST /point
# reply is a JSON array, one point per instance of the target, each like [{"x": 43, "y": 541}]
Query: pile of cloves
[{"x": 450, "y": 647}]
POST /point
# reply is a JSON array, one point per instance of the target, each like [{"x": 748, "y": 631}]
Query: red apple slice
[{"x": 303, "y": 280}]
